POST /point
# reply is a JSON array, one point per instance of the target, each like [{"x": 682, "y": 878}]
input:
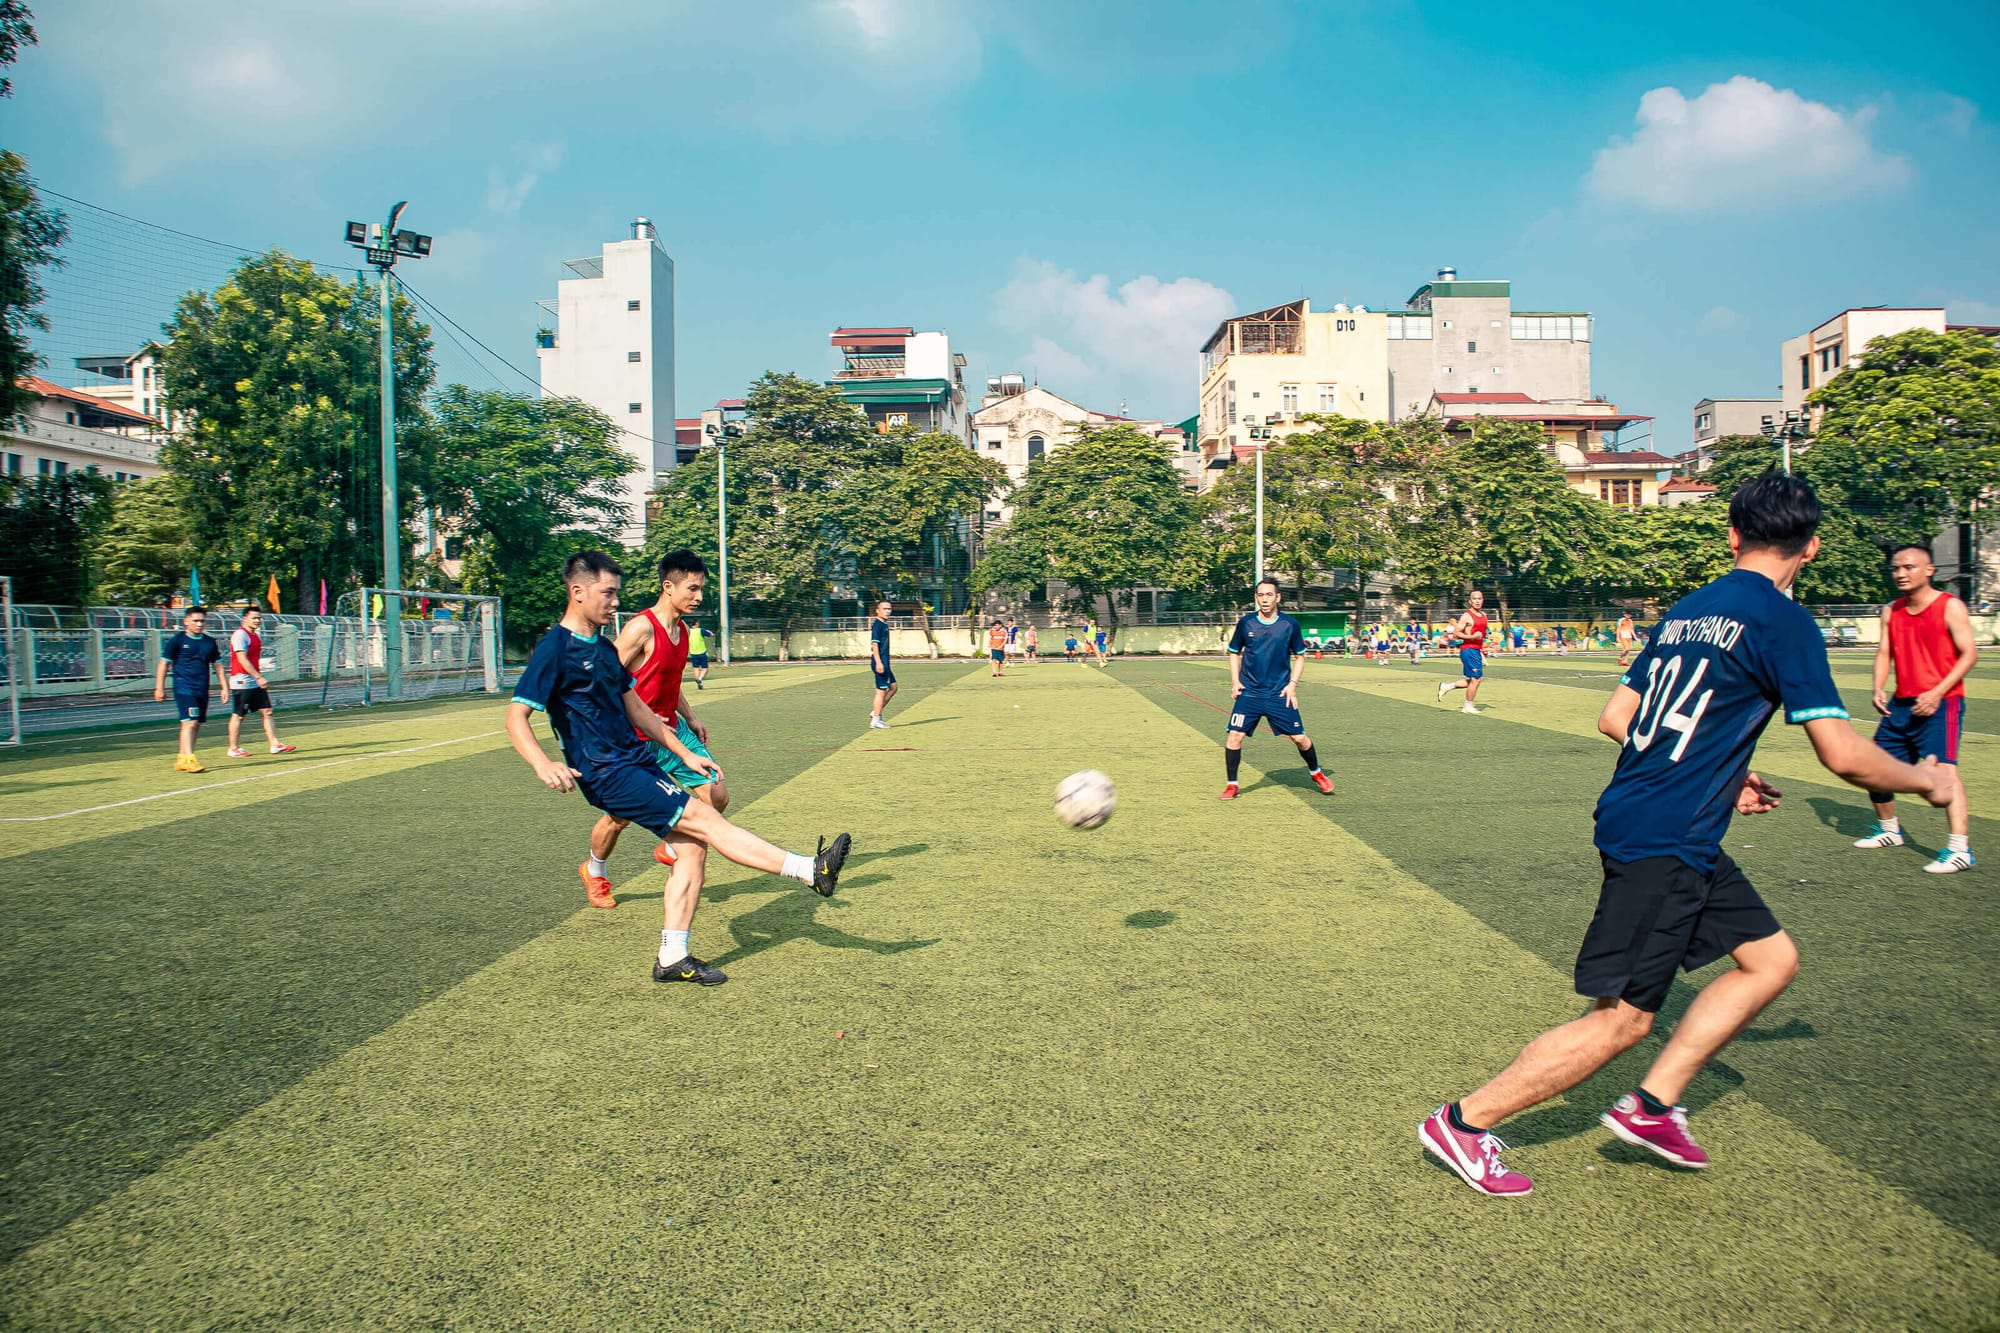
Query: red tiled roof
[
  {"x": 869, "y": 337},
  {"x": 1485, "y": 398},
  {"x": 37, "y": 385},
  {"x": 1634, "y": 458},
  {"x": 845, "y": 332},
  {"x": 730, "y": 404},
  {"x": 1687, "y": 484}
]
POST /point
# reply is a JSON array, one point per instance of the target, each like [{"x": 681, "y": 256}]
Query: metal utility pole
[
  {"x": 1260, "y": 511},
  {"x": 384, "y": 245},
  {"x": 721, "y": 432}
]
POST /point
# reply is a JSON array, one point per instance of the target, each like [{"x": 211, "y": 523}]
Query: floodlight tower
[
  {"x": 383, "y": 245},
  {"x": 1797, "y": 425}
]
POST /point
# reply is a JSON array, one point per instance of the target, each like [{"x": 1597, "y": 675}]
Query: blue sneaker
[{"x": 1950, "y": 863}]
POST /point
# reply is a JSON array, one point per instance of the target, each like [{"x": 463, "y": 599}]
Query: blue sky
[{"x": 1078, "y": 191}]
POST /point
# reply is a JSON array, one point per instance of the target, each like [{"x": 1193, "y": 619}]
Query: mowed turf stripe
[
  {"x": 1884, "y": 1049},
  {"x": 163, "y": 979},
  {"x": 1167, "y": 1072}
]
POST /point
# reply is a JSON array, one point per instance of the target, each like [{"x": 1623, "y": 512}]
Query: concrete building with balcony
[
  {"x": 613, "y": 347},
  {"x": 131, "y": 381},
  {"x": 1582, "y": 438},
  {"x": 1018, "y": 422},
  {"x": 1454, "y": 336},
  {"x": 69, "y": 430},
  {"x": 1718, "y": 418},
  {"x": 1816, "y": 356},
  {"x": 900, "y": 377}
]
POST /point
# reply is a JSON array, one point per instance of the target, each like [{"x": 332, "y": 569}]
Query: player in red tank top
[
  {"x": 1470, "y": 632},
  {"x": 654, "y": 648},
  {"x": 1927, "y": 642}
]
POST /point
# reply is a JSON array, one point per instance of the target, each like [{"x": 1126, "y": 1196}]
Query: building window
[
  {"x": 1494, "y": 369},
  {"x": 995, "y": 442},
  {"x": 635, "y": 407},
  {"x": 1288, "y": 399},
  {"x": 454, "y": 548},
  {"x": 1701, "y": 422},
  {"x": 631, "y": 305},
  {"x": 992, "y": 516},
  {"x": 631, "y": 356},
  {"x": 62, "y": 468},
  {"x": 1036, "y": 445},
  {"x": 1836, "y": 356},
  {"x": 42, "y": 467},
  {"x": 13, "y": 465},
  {"x": 1329, "y": 397},
  {"x": 1473, "y": 348},
  {"x": 1620, "y": 492},
  {"x": 1805, "y": 371},
  {"x": 1445, "y": 371}
]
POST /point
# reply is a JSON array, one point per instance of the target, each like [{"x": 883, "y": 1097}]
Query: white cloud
[
  {"x": 1741, "y": 144},
  {"x": 505, "y": 194},
  {"x": 1139, "y": 340},
  {"x": 1968, "y": 310},
  {"x": 1960, "y": 114},
  {"x": 1720, "y": 317}
]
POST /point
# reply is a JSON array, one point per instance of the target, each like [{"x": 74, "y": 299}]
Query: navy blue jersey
[
  {"x": 191, "y": 656},
  {"x": 878, "y": 635},
  {"x": 1717, "y": 667},
  {"x": 1268, "y": 648},
  {"x": 581, "y": 684}
]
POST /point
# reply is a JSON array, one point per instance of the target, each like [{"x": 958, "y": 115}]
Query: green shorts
[{"x": 671, "y": 762}]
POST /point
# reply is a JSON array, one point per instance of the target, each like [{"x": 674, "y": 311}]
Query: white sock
[
  {"x": 1892, "y": 825},
  {"x": 597, "y": 865},
  {"x": 1958, "y": 842},
  {"x": 673, "y": 947},
  {"x": 798, "y": 867}
]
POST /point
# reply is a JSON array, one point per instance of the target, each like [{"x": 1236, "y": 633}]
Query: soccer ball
[{"x": 1086, "y": 799}]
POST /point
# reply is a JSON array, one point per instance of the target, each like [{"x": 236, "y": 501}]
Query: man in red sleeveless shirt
[
  {"x": 1470, "y": 632},
  {"x": 654, "y": 648},
  {"x": 1927, "y": 641}
]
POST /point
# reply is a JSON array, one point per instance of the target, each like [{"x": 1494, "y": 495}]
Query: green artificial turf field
[{"x": 340, "y": 1045}]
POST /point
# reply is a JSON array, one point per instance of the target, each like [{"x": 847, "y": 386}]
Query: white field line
[{"x": 255, "y": 777}]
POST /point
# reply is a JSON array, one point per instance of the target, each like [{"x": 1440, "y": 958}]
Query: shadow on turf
[
  {"x": 794, "y": 916},
  {"x": 719, "y": 893},
  {"x": 1845, "y": 818},
  {"x": 1152, "y": 919}
]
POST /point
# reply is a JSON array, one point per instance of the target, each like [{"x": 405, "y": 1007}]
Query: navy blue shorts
[
  {"x": 190, "y": 707},
  {"x": 1911, "y": 738},
  {"x": 884, "y": 679},
  {"x": 1249, "y": 708},
  {"x": 1472, "y": 662},
  {"x": 641, "y": 794},
  {"x": 697, "y": 660}
]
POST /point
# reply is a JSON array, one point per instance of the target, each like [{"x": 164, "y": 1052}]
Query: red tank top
[
  {"x": 659, "y": 676},
  {"x": 1476, "y": 636},
  {"x": 1920, "y": 647}
]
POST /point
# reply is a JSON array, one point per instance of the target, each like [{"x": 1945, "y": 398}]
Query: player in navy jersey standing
[
  {"x": 576, "y": 677},
  {"x": 1687, "y": 716},
  {"x": 1267, "y": 653}
]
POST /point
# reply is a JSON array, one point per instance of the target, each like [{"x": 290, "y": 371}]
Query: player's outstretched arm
[
  {"x": 1868, "y": 766},
  {"x": 1619, "y": 710},
  {"x": 555, "y": 776}
]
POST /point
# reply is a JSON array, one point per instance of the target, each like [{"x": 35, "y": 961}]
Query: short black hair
[
  {"x": 1274, "y": 586},
  {"x": 194, "y": 611},
  {"x": 1775, "y": 511},
  {"x": 1919, "y": 547},
  {"x": 681, "y": 562},
  {"x": 593, "y": 563}
]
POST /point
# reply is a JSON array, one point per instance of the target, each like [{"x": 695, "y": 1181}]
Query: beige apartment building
[
  {"x": 1716, "y": 418},
  {"x": 1262, "y": 372},
  {"x": 1811, "y": 359},
  {"x": 68, "y": 430},
  {"x": 1018, "y": 422}
]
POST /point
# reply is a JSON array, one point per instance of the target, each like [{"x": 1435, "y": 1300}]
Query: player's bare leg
[
  {"x": 705, "y": 824},
  {"x": 1558, "y": 1060},
  {"x": 1724, "y": 1008}
]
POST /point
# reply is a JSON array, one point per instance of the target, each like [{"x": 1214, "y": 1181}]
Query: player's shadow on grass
[
  {"x": 900, "y": 725},
  {"x": 26, "y": 786},
  {"x": 1152, "y": 919},
  {"x": 794, "y": 916},
  {"x": 718, "y": 893},
  {"x": 1842, "y": 817}
]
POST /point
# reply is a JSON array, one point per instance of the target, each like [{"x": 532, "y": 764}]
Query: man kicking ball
[
  {"x": 1267, "y": 655},
  {"x": 1470, "y": 632},
  {"x": 1687, "y": 717},
  {"x": 574, "y": 676}
]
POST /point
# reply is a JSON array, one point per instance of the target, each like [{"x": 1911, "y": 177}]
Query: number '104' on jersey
[{"x": 1719, "y": 664}]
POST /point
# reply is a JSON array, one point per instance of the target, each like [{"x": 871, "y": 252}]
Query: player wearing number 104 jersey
[{"x": 1687, "y": 715}]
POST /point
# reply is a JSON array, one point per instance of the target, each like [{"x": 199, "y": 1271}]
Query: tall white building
[{"x": 613, "y": 347}]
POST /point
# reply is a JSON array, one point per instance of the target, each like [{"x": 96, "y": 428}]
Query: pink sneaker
[
  {"x": 238, "y": 752},
  {"x": 1474, "y": 1157},
  {"x": 284, "y": 749},
  {"x": 1666, "y": 1134}
]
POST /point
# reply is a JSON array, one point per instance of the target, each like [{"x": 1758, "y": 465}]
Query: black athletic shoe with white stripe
[
  {"x": 827, "y": 862},
  {"x": 689, "y": 968}
]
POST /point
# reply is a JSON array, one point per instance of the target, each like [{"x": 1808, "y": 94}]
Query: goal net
[
  {"x": 383, "y": 646},
  {"x": 10, "y": 667}
]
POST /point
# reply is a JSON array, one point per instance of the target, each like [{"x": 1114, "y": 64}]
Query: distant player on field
[
  {"x": 1099, "y": 644},
  {"x": 189, "y": 655},
  {"x": 878, "y": 658},
  {"x": 697, "y": 652},
  {"x": 1927, "y": 641},
  {"x": 1069, "y": 647},
  {"x": 1520, "y": 639},
  {"x": 574, "y": 675},
  {"x": 655, "y": 646},
  {"x": 248, "y": 690},
  {"x": 996, "y": 648},
  {"x": 1267, "y": 655},
  {"x": 1470, "y": 632},
  {"x": 1687, "y": 717},
  {"x": 1034, "y": 642},
  {"x": 1628, "y": 639}
]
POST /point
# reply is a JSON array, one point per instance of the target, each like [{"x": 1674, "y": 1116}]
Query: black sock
[
  {"x": 1458, "y": 1121},
  {"x": 1653, "y": 1105},
  {"x": 1311, "y": 755},
  {"x": 1232, "y": 760}
]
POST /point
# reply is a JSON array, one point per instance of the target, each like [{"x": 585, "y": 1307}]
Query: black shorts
[
  {"x": 253, "y": 700},
  {"x": 1658, "y": 914}
]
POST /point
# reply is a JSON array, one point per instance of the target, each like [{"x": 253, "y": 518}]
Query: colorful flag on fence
[
  {"x": 377, "y": 604},
  {"x": 194, "y": 587},
  {"x": 271, "y": 593},
  {"x": 322, "y": 596}
]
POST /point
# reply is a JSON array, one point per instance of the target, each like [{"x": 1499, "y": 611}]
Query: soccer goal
[
  {"x": 10, "y": 679},
  {"x": 380, "y": 646}
]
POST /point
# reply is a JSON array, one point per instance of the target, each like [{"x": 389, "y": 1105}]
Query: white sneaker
[
  {"x": 1950, "y": 863},
  {"x": 1444, "y": 688},
  {"x": 877, "y": 724},
  {"x": 1468, "y": 708},
  {"x": 1877, "y": 836}
]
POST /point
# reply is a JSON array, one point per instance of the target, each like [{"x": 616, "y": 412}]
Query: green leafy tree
[
  {"x": 48, "y": 526},
  {"x": 1105, "y": 514},
  {"x": 274, "y": 379},
  {"x": 1853, "y": 533},
  {"x": 525, "y": 482},
  {"x": 145, "y": 550},
  {"x": 907, "y": 521},
  {"x": 17, "y": 30},
  {"x": 31, "y": 237}
]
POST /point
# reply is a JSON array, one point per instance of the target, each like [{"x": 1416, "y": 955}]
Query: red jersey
[
  {"x": 659, "y": 676},
  {"x": 1920, "y": 647},
  {"x": 1476, "y": 636}
]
